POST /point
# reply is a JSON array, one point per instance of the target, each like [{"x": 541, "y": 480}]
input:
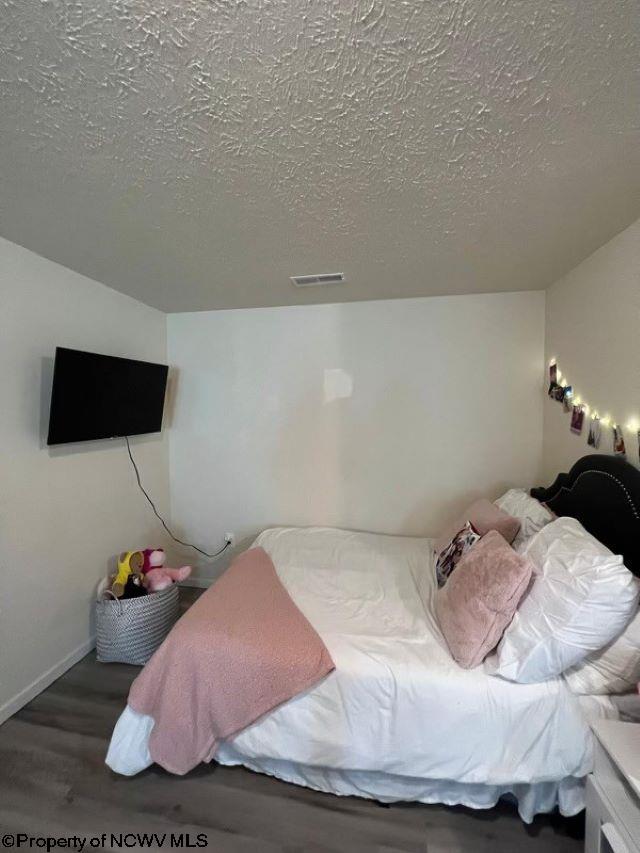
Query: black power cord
[{"x": 160, "y": 518}]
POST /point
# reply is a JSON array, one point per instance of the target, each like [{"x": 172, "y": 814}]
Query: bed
[{"x": 398, "y": 719}]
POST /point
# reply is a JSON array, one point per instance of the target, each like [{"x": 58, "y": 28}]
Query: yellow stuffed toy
[{"x": 129, "y": 563}]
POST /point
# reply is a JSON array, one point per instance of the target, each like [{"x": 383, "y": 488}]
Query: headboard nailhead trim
[{"x": 604, "y": 474}]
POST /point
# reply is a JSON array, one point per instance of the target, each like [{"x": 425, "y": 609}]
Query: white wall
[
  {"x": 64, "y": 512},
  {"x": 446, "y": 406},
  {"x": 593, "y": 329}
]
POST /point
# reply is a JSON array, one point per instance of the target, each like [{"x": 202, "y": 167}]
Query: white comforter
[{"x": 397, "y": 702}]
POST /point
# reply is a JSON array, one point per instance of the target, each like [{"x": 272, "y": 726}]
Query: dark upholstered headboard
[{"x": 603, "y": 493}]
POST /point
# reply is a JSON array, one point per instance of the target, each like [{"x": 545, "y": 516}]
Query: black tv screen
[{"x": 100, "y": 396}]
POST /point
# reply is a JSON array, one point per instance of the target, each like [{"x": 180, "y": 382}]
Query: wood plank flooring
[{"x": 53, "y": 781}]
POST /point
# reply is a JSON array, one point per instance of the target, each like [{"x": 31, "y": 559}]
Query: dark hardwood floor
[{"x": 53, "y": 782}]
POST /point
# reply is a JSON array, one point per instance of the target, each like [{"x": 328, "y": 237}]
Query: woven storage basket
[{"x": 130, "y": 631}]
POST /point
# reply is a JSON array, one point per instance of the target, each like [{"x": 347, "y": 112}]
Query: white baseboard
[
  {"x": 198, "y": 583},
  {"x": 43, "y": 681}
]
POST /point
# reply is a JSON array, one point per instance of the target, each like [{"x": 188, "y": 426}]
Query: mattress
[{"x": 399, "y": 719}]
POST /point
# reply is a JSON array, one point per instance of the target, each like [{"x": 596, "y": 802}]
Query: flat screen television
[{"x": 100, "y": 396}]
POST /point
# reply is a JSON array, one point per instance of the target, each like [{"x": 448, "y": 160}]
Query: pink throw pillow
[
  {"x": 484, "y": 516},
  {"x": 480, "y": 598}
]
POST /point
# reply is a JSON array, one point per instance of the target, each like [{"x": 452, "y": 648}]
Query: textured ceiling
[{"x": 196, "y": 153}]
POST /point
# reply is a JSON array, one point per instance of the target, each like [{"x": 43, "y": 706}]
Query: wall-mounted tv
[{"x": 100, "y": 396}]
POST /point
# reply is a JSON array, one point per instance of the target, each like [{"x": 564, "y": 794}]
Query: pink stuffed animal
[
  {"x": 158, "y": 579},
  {"x": 153, "y": 559}
]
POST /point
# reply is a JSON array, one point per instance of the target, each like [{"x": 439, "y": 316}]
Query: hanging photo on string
[
  {"x": 618, "y": 441},
  {"x": 553, "y": 379},
  {"x": 567, "y": 398},
  {"x": 577, "y": 419},
  {"x": 595, "y": 433},
  {"x": 558, "y": 393}
]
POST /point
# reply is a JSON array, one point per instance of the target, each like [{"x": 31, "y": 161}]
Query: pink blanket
[{"x": 240, "y": 651}]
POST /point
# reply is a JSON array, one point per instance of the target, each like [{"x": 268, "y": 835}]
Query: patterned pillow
[{"x": 451, "y": 554}]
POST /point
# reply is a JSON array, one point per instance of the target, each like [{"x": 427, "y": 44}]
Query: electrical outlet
[{"x": 230, "y": 538}]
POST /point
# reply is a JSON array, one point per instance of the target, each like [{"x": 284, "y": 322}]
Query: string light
[{"x": 633, "y": 424}]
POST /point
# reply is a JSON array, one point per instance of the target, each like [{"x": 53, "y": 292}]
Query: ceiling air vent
[{"x": 317, "y": 280}]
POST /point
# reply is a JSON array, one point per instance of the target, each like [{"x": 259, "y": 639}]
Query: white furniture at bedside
[{"x": 613, "y": 790}]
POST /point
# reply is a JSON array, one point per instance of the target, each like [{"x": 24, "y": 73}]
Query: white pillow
[
  {"x": 582, "y": 598},
  {"x": 614, "y": 669},
  {"x": 531, "y": 514}
]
